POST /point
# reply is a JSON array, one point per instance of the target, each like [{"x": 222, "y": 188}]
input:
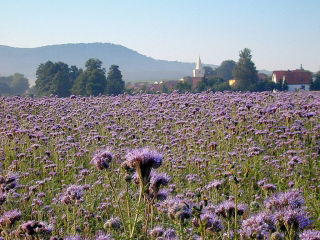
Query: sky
[{"x": 282, "y": 34}]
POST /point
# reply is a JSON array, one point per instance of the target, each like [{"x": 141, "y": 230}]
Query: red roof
[{"x": 294, "y": 77}]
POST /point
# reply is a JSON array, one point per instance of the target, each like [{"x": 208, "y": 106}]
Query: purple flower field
[{"x": 179, "y": 166}]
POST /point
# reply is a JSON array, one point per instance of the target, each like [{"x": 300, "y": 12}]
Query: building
[
  {"x": 296, "y": 79},
  {"x": 197, "y": 73}
]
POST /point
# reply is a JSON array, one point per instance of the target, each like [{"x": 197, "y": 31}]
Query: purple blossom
[
  {"x": 292, "y": 199},
  {"x": 10, "y": 217},
  {"x": 310, "y": 235},
  {"x": 102, "y": 158},
  {"x": 259, "y": 226}
]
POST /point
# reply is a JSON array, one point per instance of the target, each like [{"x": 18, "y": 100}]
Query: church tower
[{"x": 198, "y": 72}]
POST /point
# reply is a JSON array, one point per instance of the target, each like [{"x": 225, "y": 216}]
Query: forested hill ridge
[{"x": 134, "y": 66}]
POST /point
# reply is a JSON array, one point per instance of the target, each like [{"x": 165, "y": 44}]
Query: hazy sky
[{"x": 282, "y": 34}]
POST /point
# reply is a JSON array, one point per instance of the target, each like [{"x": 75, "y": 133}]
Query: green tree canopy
[
  {"x": 225, "y": 70},
  {"x": 92, "y": 81},
  {"x": 245, "y": 71},
  {"x": 115, "y": 84},
  {"x": 183, "y": 86},
  {"x": 208, "y": 71},
  {"x": 315, "y": 85},
  {"x": 55, "y": 78},
  {"x": 15, "y": 84}
]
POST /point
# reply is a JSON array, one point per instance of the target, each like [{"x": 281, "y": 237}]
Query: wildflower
[
  {"x": 33, "y": 227},
  {"x": 178, "y": 209},
  {"x": 292, "y": 199},
  {"x": 156, "y": 181},
  {"x": 156, "y": 232},
  {"x": 295, "y": 218},
  {"x": 114, "y": 223},
  {"x": 143, "y": 160},
  {"x": 103, "y": 236},
  {"x": 170, "y": 234},
  {"x": 215, "y": 184},
  {"x": 269, "y": 187},
  {"x": 10, "y": 217},
  {"x": 310, "y": 235},
  {"x": 259, "y": 226},
  {"x": 227, "y": 209},
  {"x": 277, "y": 236},
  {"x": 102, "y": 158},
  {"x": 71, "y": 194},
  {"x": 211, "y": 222}
]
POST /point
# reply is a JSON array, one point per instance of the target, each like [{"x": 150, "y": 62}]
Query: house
[{"x": 296, "y": 79}]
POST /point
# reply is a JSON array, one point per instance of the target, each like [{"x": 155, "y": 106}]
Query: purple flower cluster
[
  {"x": 72, "y": 194},
  {"x": 10, "y": 217},
  {"x": 310, "y": 235},
  {"x": 142, "y": 161},
  {"x": 292, "y": 199},
  {"x": 102, "y": 158}
]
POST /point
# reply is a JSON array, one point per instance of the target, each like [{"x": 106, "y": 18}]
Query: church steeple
[
  {"x": 198, "y": 71},
  {"x": 199, "y": 65}
]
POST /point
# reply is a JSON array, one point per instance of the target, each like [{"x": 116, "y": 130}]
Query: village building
[
  {"x": 296, "y": 80},
  {"x": 197, "y": 73}
]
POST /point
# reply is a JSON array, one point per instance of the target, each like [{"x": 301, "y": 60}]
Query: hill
[{"x": 134, "y": 66}]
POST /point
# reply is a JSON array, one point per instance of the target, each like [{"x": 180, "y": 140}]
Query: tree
[
  {"x": 54, "y": 78},
  {"x": 208, "y": 71},
  {"x": 315, "y": 85},
  {"x": 245, "y": 71},
  {"x": 115, "y": 84},
  {"x": 225, "y": 70},
  {"x": 92, "y": 81},
  {"x": 183, "y": 86},
  {"x": 19, "y": 84},
  {"x": 4, "y": 89},
  {"x": 79, "y": 85},
  {"x": 15, "y": 84}
]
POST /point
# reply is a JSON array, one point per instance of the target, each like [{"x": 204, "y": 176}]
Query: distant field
[{"x": 178, "y": 166}]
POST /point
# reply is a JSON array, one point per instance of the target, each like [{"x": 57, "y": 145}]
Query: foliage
[
  {"x": 225, "y": 70},
  {"x": 208, "y": 71},
  {"x": 55, "y": 78},
  {"x": 184, "y": 86},
  {"x": 15, "y": 84},
  {"x": 92, "y": 81},
  {"x": 115, "y": 84},
  {"x": 214, "y": 84},
  {"x": 245, "y": 71},
  {"x": 315, "y": 85}
]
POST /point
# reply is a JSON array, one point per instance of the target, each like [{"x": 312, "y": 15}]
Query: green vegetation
[
  {"x": 55, "y": 78},
  {"x": 245, "y": 72},
  {"x": 115, "y": 84},
  {"x": 315, "y": 86},
  {"x": 15, "y": 84},
  {"x": 61, "y": 80}
]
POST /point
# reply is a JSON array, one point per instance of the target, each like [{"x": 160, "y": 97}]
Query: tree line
[
  {"x": 15, "y": 84},
  {"x": 244, "y": 73},
  {"x": 61, "y": 80}
]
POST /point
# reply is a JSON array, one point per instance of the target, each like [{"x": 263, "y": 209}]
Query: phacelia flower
[{"x": 102, "y": 158}]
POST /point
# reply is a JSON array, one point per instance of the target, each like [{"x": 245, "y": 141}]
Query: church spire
[
  {"x": 199, "y": 65},
  {"x": 198, "y": 71}
]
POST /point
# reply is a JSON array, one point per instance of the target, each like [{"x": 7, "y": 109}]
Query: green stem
[
  {"x": 118, "y": 201},
  {"x": 137, "y": 212}
]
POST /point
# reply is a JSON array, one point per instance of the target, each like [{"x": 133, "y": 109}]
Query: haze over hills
[{"x": 134, "y": 66}]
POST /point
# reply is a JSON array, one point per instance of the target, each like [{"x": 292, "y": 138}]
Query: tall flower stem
[
  {"x": 137, "y": 212},
  {"x": 118, "y": 201}
]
